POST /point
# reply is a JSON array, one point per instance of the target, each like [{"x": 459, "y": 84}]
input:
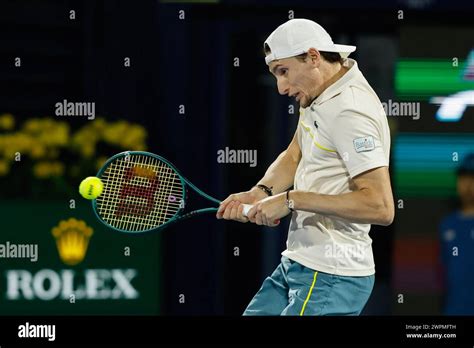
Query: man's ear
[{"x": 315, "y": 56}]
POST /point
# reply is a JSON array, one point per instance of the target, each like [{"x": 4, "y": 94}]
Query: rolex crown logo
[{"x": 72, "y": 239}]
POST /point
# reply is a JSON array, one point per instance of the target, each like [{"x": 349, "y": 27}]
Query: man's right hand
[{"x": 231, "y": 208}]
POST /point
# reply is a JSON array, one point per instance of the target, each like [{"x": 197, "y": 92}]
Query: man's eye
[{"x": 283, "y": 71}]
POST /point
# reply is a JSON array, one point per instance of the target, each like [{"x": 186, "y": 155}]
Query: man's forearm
[
  {"x": 357, "y": 206},
  {"x": 281, "y": 173}
]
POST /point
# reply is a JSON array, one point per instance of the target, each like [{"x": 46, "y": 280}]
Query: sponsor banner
[{"x": 56, "y": 258}]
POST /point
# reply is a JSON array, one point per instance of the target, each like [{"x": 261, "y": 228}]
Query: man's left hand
[{"x": 269, "y": 211}]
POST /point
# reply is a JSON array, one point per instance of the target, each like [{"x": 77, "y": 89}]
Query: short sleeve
[{"x": 359, "y": 140}]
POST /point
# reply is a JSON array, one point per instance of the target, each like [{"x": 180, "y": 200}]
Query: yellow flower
[
  {"x": 47, "y": 123},
  {"x": 45, "y": 169},
  {"x": 9, "y": 149},
  {"x": 61, "y": 134},
  {"x": 135, "y": 135},
  {"x": 4, "y": 167},
  {"x": 88, "y": 150},
  {"x": 37, "y": 151},
  {"x": 110, "y": 135},
  {"x": 33, "y": 125},
  {"x": 116, "y": 132},
  {"x": 99, "y": 124},
  {"x": 47, "y": 131},
  {"x": 11, "y": 144},
  {"x": 84, "y": 137},
  {"x": 22, "y": 141},
  {"x": 41, "y": 170},
  {"x": 7, "y": 122}
]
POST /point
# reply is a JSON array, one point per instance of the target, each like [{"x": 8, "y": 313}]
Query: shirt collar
[{"x": 338, "y": 86}]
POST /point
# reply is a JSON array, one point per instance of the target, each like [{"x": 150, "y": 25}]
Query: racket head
[{"x": 142, "y": 192}]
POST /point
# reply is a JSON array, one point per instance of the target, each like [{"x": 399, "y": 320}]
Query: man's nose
[{"x": 283, "y": 87}]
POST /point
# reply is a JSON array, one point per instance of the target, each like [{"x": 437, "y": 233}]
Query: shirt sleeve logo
[{"x": 364, "y": 144}]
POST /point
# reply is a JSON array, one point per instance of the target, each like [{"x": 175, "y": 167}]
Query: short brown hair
[{"x": 330, "y": 57}]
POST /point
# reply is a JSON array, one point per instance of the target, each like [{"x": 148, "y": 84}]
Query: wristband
[
  {"x": 266, "y": 189},
  {"x": 290, "y": 204}
]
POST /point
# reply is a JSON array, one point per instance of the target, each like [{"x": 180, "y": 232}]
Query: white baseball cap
[{"x": 297, "y": 36}]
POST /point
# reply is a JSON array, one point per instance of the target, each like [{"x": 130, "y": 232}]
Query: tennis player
[{"x": 337, "y": 164}]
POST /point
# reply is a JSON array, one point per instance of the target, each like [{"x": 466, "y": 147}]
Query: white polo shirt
[{"x": 343, "y": 133}]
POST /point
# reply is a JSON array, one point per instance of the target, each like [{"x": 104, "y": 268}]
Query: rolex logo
[{"x": 72, "y": 239}]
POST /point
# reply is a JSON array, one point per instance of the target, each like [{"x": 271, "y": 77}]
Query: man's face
[
  {"x": 465, "y": 186},
  {"x": 297, "y": 78}
]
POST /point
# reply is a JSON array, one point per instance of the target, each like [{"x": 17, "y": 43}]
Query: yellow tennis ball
[{"x": 91, "y": 187}]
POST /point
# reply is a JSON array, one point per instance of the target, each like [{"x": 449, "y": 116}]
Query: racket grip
[{"x": 246, "y": 209}]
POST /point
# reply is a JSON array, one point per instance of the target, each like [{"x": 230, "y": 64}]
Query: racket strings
[{"x": 140, "y": 193}]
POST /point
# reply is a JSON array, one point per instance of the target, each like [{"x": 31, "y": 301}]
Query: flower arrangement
[{"x": 45, "y": 157}]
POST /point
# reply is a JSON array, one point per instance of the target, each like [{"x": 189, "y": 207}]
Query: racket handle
[{"x": 246, "y": 209}]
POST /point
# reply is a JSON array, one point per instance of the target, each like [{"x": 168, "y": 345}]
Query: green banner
[
  {"x": 421, "y": 79},
  {"x": 56, "y": 258}
]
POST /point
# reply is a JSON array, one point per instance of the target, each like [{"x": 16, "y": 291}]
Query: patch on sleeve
[{"x": 364, "y": 144}]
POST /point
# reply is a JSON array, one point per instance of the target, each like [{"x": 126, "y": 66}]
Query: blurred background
[{"x": 186, "y": 80}]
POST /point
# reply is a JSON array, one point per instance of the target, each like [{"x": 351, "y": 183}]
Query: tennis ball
[{"x": 91, "y": 187}]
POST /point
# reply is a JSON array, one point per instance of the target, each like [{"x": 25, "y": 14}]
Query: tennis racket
[{"x": 144, "y": 192}]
